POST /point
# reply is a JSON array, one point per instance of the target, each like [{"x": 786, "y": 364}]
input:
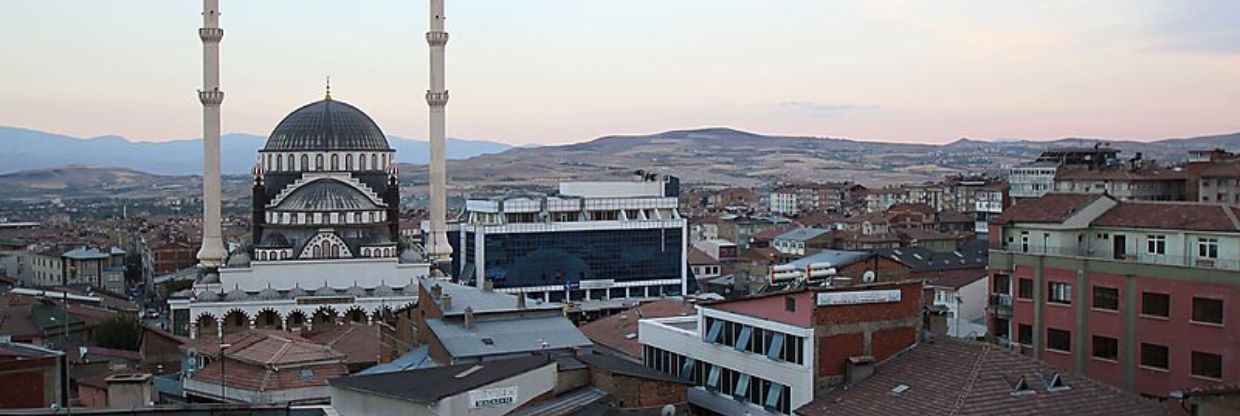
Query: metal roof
[
  {"x": 327, "y": 125},
  {"x": 326, "y": 195},
  {"x": 802, "y": 234},
  {"x": 507, "y": 335},
  {"x": 432, "y": 384},
  {"x": 482, "y": 301},
  {"x": 835, "y": 257}
]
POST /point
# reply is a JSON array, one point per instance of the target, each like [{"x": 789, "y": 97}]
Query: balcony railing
[
  {"x": 1000, "y": 304},
  {"x": 1131, "y": 257}
]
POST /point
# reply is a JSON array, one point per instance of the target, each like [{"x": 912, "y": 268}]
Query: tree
[{"x": 119, "y": 333}]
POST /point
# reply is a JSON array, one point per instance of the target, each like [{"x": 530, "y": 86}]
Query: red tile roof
[
  {"x": 1172, "y": 216},
  {"x": 266, "y": 360},
  {"x": 613, "y": 331},
  {"x": 1222, "y": 170},
  {"x": 1052, "y": 207},
  {"x": 359, "y": 343},
  {"x": 698, "y": 257},
  {"x": 770, "y": 233},
  {"x": 946, "y": 377}
]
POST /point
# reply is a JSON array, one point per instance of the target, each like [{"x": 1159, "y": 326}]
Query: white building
[
  {"x": 1032, "y": 180},
  {"x": 592, "y": 241}
]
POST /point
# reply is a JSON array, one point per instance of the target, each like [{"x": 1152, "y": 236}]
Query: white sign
[
  {"x": 598, "y": 283},
  {"x": 496, "y": 397},
  {"x": 859, "y": 297}
]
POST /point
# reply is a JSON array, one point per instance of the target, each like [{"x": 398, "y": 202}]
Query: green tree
[{"x": 119, "y": 333}]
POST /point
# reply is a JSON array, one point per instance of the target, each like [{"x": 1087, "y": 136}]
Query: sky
[{"x": 561, "y": 71}]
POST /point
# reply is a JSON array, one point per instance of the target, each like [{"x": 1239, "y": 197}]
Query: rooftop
[
  {"x": 947, "y": 377},
  {"x": 498, "y": 336},
  {"x": 802, "y": 234},
  {"x": 1052, "y": 207},
  {"x": 619, "y": 332},
  {"x": 431, "y": 384},
  {"x": 482, "y": 301}
]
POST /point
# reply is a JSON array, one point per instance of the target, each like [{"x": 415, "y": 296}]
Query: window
[
  {"x": 318, "y": 162},
  {"x": 1106, "y": 298},
  {"x": 790, "y": 304},
  {"x": 1106, "y": 348},
  {"x": 1207, "y": 310},
  {"x": 1059, "y": 292},
  {"x": 1024, "y": 334},
  {"x": 1025, "y": 289},
  {"x": 1156, "y": 244},
  {"x": 1156, "y": 304},
  {"x": 1002, "y": 284},
  {"x": 1207, "y": 248},
  {"x": 1154, "y": 356},
  {"x": 1058, "y": 339},
  {"x": 335, "y": 162},
  {"x": 1207, "y": 365}
]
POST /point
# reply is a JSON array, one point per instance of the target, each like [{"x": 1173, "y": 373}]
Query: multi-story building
[
  {"x": 1037, "y": 178},
  {"x": 592, "y": 241},
  {"x": 988, "y": 203},
  {"x": 1219, "y": 183},
  {"x": 795, "y": 199},
  {"x": 1140, "y": 295},
  {"x": 1135, "y": 183},
  {"x": 767, "y": 355}
]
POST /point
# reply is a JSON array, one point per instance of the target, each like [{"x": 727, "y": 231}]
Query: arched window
[
  {"x": 361, "y": 159},
  {"x": 374, "y": 161},
  {"x": 317, "y": 252},
  {"x": 318, "y": 162},
  {"x": 335, "y": 162},
  {"x": 348, "y": 162},
  {"x": 279, "y": 162},
  {"x": 305, "y": 162},
  {"x": 335, "y": 251}
]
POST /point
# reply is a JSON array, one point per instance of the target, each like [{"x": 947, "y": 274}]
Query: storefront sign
[
  {"x": 859, "y": 297},
  {"x": 496, "y": 397}
]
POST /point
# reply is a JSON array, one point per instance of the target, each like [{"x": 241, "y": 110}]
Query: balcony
[
  {"x": 1138, "y": 257},
  {"x": 1000, "y": 305}
]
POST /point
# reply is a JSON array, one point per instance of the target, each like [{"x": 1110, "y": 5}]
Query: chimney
[
  {"x": 520, "y": 300},
  {"x": 436, "y": 290},
  {"x": 469, "y": 317},
  {"x": 129, "y": 390},
  {"x": 445, "y": 302},
  {"x": 858, "y": 368}
]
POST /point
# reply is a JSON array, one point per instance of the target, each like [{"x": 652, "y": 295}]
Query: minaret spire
[
  {"x": 437, "y": 248},
  {"x": 211, "y": 255},
  {"x": 328, "y": 96}
]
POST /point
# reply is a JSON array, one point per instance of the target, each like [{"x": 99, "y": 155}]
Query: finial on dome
[{"x": 328, "y": 96}]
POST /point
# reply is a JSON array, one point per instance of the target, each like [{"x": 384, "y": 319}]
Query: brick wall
[{"x": 835, "y": 349}]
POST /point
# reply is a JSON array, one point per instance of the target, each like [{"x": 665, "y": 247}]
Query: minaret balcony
[
  {"x": 213, "y": 97},
  {"x": 211, "y": 34},
  {"x": 437, "y": 99},
  {"x": 437, "y": 38}
]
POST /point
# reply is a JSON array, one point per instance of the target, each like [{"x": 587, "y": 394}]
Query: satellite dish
[
  {"x": 869, "y": 276},
  {"x": 668, "y": 410}
]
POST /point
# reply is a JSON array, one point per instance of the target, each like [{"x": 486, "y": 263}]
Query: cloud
[{"x": 816, "y": 109}]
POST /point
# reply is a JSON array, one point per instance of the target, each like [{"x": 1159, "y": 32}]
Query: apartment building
[
  {"x": 1141, "y": 295},
  {"x": 768, "y": 355}
]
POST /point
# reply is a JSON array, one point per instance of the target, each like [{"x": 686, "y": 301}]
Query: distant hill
[{"x": 31, "y": 149}]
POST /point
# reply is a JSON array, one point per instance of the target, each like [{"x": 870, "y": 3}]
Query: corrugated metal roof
[
  {"x": 802, "y": 234},
  {"x": 506, "y": 336},
  {"x": 835, "y": 257}
]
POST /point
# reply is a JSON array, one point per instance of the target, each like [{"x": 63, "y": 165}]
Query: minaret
[
  {"x": 211, "y": 255},
  {"x": 437, "y": 248}
]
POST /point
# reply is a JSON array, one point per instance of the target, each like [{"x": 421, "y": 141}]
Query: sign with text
[
  {"x": 858, "y": 297},
  {"x": 496, "y": 397}
]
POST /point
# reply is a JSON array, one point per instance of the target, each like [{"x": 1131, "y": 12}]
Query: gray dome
[
  {"x": 355, "y": 291},
  {"x": 410, "y": 289},
  {"x": 326, "y": 195},
  {"x": 326, "y": 125},
  {"x": 325, "y": 291},
  {"x": 384, "y": 291},
  {"x": 207, "y": 296},
  {"x": 236, "y": 295},
  {"x": 409, "y": 255},
  {"x": 297, "y": 292},
  {"x": 269, "y": 294},
  {"x": 239, "y": 259},
  {"x": 273, "y": 239}
]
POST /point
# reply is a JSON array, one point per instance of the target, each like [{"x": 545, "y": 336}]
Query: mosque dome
[
  {"x": 297, "y": 292},
  {"x": 384, "y": 290},
  {"x": 327, "y": 125},
  {"x": 207, "y": 296},
  {"x": 236, "y": 295},
  {"x": 269, "y": 294}
]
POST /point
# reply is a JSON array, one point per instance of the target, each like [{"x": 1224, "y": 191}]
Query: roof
[
  {"x": 416, "y": 358},
  {"x": 507, "y": 335},
  {"x": 947, "y": 377},
  {"x": 482, "y": 301},
  {"x": 358, "y": 343},
  {"x": 923, "y": 234},
  {"x": 613, "y": 332},
  {"x": 267, "y": 360},
  {"x": 802, "y": 234},
  {"x": 698, "y": 257},
  {"x": 1172, "y": 216},
  {"x": 1119, "y": 174},
  {"x": 1052, "y": 207},
  {"x": 836, "y": 258},
  {"x": 771, "y": 233},
  {"x": 432, "y": 384},
  {"x": 972, "y": 255},
  {"x": 955, "y": 216},
  {"x": 629, "y": 368},
  {"x": 84, "y": 253},
  {"x": 327, "y": 125},
  {"x": 326, "y": 195},
  {"x": 1221, "y": 170},
  {"x": 247, "y": 376}
]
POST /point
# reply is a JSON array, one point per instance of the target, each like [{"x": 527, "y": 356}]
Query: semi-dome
[
  {"x": 325, "y": 126},
  {"x": 326, "y": 195}
]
